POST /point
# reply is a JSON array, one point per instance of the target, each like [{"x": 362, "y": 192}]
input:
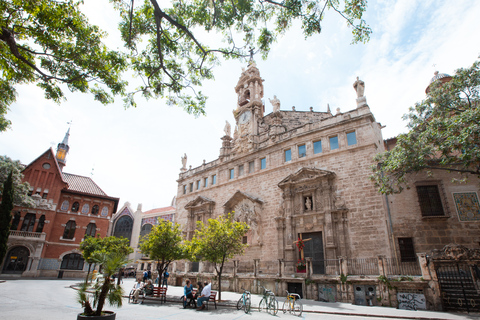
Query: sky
[{"x": 135, "y": 154}]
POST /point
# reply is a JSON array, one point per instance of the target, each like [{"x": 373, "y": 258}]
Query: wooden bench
[
  {"x": 158, "y": 292},
  {"x": 213, "y": 298}
]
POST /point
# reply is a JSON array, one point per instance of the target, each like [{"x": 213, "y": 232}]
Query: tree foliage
[
  {"x": 21, "y": 189},
  {"x": 105, "y": 289},
  {"x": 91, "y": 247},
  {"x": 52, "y": 44},
  {"x": 163, "y": 244},
  {"x": 444, "y": 134},
  {"x": 6, "y": 208},
  {"x": 218, "y": 242}
]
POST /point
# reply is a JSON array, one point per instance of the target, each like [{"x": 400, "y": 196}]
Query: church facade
[{"x": 319, "y": 227}]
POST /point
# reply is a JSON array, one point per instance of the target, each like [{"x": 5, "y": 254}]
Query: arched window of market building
[{"x": 123, "y": 227}]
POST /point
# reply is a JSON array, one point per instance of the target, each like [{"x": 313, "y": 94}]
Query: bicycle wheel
[
  {"x": 273, "y": 306},
  {"x": 240, "y": 303},
  {"x": 285, "y": 306},
  {"x": 297, "y": 308},
  {"x": 248, "y": 304},
  {"x": 262, "y": 306}
]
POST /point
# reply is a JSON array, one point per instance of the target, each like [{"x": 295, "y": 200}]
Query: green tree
[
  {"x": 21, "y": 189},
  {"x": 218, "y": 242},
  {"x": 51, "y": 43},
  {"x": 444, "y": 135},
  {"x": 92, "y": 246},
  {"x": 105, "y": 289},
  {"x": 6, "y": 215},
  {"x": 163, "y": 244}
]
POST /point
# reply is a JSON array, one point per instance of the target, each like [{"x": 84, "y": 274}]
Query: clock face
[{"x": 245, "y": 117}]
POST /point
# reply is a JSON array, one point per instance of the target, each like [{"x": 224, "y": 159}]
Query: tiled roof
[
  {"x": 160, "y": 210},
  {"x": 82, "y": 184}
]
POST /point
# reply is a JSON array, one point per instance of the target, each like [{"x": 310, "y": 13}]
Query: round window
[{"x": 46, "y": 165}]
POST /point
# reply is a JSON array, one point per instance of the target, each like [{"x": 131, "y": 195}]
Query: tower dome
[{"x": 443, "y": 77}]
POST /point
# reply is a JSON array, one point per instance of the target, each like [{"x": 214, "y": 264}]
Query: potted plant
[
  {"x": 301, "y": 266},
  {"x": 104, "y": 289}
]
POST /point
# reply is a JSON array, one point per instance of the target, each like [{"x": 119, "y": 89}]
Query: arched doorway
[{"x": 16, "y": 260}]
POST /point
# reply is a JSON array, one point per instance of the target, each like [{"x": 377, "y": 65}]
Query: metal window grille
[
  {"x": 430, "y": 201},
  {"x": 407, "y": 251}
]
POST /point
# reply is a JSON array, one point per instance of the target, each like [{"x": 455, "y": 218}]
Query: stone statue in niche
[
  {"x": 308, "y": 204},
  {"x": 246, "y": 211},
  {"x": 339, "y": 203}
]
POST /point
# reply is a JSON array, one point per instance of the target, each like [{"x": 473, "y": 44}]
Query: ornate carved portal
[
  {"x": 200, "y": 209},
  {"x": 312, "y": 205},
  {"x": 247, "y": 208}
]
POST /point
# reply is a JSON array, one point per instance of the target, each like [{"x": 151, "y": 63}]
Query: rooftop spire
[{"x": 62, "y": 150}]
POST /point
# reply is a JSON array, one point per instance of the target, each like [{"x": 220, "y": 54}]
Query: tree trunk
[{"x": 103, "y": 296}]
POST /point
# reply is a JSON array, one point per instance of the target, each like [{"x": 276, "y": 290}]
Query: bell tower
[
  {"x": 62, "y": 150},
  {"x": 250, "y": 107}
]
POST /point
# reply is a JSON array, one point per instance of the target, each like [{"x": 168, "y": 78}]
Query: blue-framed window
[
  {"x": 333, "y": 143},
  {"x": 205, "y": 182},
  {"x": 263, "y": 163},
  {"x": 214, "y": 179},
  {"x": 232, "y": 173},
  {"x": 351, "y": 138},
  {"x": 317, "y": 147},
  {"x": 302, "y": 151},
  {"x": 288, "y": 155}
]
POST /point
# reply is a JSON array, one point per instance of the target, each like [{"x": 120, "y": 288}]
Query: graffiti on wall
[
  {"x": 327, "y": 293},
  {"x": 411, "y": 301}
]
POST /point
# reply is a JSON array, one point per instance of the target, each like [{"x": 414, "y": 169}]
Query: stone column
[
  {"x": 281, "y": 267},
  {"x": 422, "y": 260},
  {"x": 382, "y": 266},
  {"x": 308, "y": 262},
  {"x": 255, "y": 267}
]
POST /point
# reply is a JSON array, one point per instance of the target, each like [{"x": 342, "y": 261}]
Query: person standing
[
  {"x": 206, "y": 292},
  {"x": 165, "y": 278}
]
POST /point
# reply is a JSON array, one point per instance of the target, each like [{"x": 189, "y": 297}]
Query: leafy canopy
[
  {"x": 21, "y": 189},
  {"x": 218, "y": 241},
  {"x": 51, "y": 44},
  {"x": 164, "y": 244},
  {"x": 444, "y": 134},
  {"x": 93, "y": 246}
]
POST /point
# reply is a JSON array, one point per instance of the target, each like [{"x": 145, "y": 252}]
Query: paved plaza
[{"x": 55, "y": 299}]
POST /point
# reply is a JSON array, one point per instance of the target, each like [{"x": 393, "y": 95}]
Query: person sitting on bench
[
  {"x": 207, "y": 290},
  {"x": 187, "y": 292}
]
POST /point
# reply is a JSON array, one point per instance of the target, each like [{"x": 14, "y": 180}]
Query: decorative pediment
[
  {"x": 455, "y": 252},
  {"x": 239, "y": 197},
  {"x": 305, "y": 175},
  {"x": 199, "y": 201}
]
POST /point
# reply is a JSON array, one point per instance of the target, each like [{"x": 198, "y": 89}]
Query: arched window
[
  {"x": 146, "y": 229},
  {"x": 65, "y": 205},
  {"x": 75, "y": 206},
  {"x": 95, "y": 209},
  {"x": 69, "y": 231},
  {"x": 28, "y": 222},
  {"x": 15, "y": 221},
  {"x": 16, "y": 260},
  {"x": 123, "y": 227},
  {"x": 72, "y": 261},
  {"x": 105, "y": 211},
  {"x": 85, "y": 208},
  {"x": 41, "y": 223},
  {"x": 91, "y": 229}
]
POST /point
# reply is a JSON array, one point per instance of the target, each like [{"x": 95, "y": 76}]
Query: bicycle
[
  {"x": 293, "y": 304},
  {"x": 268, "y": 302},
  {"x": 245, "y": 301}
]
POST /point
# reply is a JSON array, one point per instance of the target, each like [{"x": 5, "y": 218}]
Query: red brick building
[{"x": 44, "y": 240}]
